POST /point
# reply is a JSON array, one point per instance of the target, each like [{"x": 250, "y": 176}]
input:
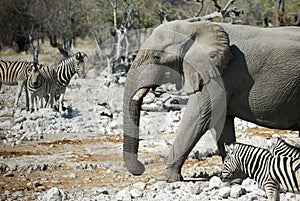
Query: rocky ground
[{"x": 78, "y": 155}]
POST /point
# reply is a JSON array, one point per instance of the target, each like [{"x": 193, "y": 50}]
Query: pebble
[
  {"x": 102, "y": 117},
  {"x": 237, "y": 191},
  {"x": 215, "y": 182},
  {"x": 224, "y": 192},
  {"x": 9, "y": 174},
  {"x": 55, "y": 194},
  {"x": 136, "y": 193},
  {"x": 123, "y": 194}
]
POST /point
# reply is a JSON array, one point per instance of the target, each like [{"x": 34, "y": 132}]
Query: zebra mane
[
  {"x": 247, "y": 145},
  {"x": 67, "y": 60},
  {"x": 280, "y": 141}
]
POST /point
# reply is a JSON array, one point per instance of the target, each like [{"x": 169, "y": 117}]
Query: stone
[
  {"x": 9, "y": 174},
  {"x": 139, "y": 185},
  {"x": 237, "y": 191},
  {"x": 215, "y": 182},
  {"x": 224, "y": 192},
  {"x": 122, "y": 80},
  {"x": 123, "y": 195},
  {"x": 136, "y": 193},
  {"x": 55, "y": 194},
  {"x": 191, "y": 188}
]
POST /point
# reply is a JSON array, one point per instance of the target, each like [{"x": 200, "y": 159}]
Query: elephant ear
[{"x": 207, "y": 56}]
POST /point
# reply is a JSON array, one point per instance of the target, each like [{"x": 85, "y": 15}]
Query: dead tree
[
  {"x": 226, "y": 12},
  {"x": 34, "y": 49},
  {"x": 122, "y": 32}
]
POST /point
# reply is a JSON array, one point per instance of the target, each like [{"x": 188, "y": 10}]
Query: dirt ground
[{"x": 85, "y": 163}]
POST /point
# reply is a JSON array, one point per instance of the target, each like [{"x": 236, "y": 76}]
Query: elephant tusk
[{"x": 140, "y": 94}]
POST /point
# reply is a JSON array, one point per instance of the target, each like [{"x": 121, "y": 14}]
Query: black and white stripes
[
  {"x": 65, "y": 70},
  {"x": 42, "y": 85},
  {"x": 44, "y": 82},
  {"x": 280, "y": 147},
  {"x": 15, "y": 73},
  {"x": 273, "y": 173}
]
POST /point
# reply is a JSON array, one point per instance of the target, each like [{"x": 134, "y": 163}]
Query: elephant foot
[{"x": 170, "y": 175}]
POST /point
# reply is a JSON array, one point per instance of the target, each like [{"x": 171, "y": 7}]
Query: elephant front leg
[
  {"x": 227, "y": 135},
  {"x": 193, "y": 125}
]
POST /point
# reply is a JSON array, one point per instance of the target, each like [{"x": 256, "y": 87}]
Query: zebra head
[
  {"x": 79, "y": 60},
  {"x": 34, "y": 75},
  {"x": 231, "y": 165}
]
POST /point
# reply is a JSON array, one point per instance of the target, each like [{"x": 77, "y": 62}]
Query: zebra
[
  {"x": 65, "y": 70},
  {"x": 273, "y": 173},
  {"x": 281, "y": 147},
  {"x": 42, "y": 84},
  {"x": 15, "y": 73}
]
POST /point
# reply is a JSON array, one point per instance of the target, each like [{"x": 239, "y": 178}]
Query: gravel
[{"x": 99, "y": 110}]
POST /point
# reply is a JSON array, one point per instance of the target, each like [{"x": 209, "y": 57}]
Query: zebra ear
[{"x": 227, "y": 148}]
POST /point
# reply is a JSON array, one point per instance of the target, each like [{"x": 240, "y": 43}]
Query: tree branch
[
  {"x": 34, "y": 50},
  {"x": 221, "y": 13}
]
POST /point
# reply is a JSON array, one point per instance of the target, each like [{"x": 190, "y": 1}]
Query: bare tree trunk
[{"x": 98, "y": 43}]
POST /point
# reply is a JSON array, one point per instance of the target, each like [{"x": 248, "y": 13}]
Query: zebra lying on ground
[
  {"x": 280, "y": 147},
  {"x": 15, "y": 73},
  {"x": 42, "y": 84},
  {"x": 65, "y": 70},
  {"x": 273, "y": 173}
]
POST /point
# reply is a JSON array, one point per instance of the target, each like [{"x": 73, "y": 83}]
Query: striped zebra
[
  {"x": 15, "y": 73},
  {"x": 42, "y": 85},
  {"x": 273, "y": 173},
  {"x": 281, "y": 147},
  {"x": 65, "y": 70}
]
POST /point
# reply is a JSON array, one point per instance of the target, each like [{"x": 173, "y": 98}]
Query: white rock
[
  {"x": 123, "y": 195},
  {"x": 122, "y": 80},
  {"x": 191, "y": 188},
  {"x": 55, "y": 194},
  {"x": 215, "y": 182},
  {"x": 237, "y": 191},
  {"x": 140, "y": 185},
  {"x": 250, "y": 185},
  {"x": 136, "y": 193},
  {"x": 224, "y": 192}
]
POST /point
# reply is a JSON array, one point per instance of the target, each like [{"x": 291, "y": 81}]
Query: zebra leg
[
  {"x": 227, "y": 135},
  {"x": 43, "y": 103},
  {"x": 35, "y": 103},
  {"x": 50, "y": 100},
  {"x": 272, "y": 190},
  {"x": 26, "y": 96},
  {"x": 19, "y": 91},
  {"x": 61, "y": 98},
  {"x": 31, "y": 102}
]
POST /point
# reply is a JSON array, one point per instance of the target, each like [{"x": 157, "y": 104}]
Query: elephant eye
[{"x": 212, "y": 54}]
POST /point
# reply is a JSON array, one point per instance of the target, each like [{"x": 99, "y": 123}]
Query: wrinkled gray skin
[{"x": 228, "y": 71}]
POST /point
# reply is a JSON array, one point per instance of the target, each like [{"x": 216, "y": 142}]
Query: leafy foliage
[{"x": 63, "y": 21}]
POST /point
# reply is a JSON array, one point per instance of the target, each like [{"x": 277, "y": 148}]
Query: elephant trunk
[{"x": 132, "y": 105}]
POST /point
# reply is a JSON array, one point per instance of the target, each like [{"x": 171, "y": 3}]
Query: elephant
[{"x": 227, "y": 70}]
